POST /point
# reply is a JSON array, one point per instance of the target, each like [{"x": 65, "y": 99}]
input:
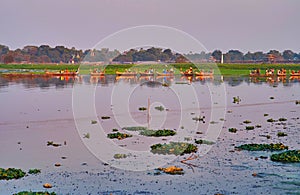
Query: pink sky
[{"x": 247, "y": 25}]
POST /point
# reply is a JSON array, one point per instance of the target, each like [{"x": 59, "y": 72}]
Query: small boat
[
  {"x": 204, "y": 74},
  {"x": 167, "y": 74},
  {"x": 187, "y": 74},
  {"x": 97, "y": 74},
  {"x": 295, "y": 74},
  {"x": 126, "y": 73},
  {"x": 149, "y": 74}
]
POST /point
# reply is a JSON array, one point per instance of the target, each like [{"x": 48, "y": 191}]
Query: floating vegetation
[
  {"x": 34, "y": 171},
  {"x": 282, "y": 119},
  {"x": 297, "y": 102},
  {"x": 249, "y": 127},
  {"x": 51, "y": 143},
  {"x": 174, "y": 148},
  {"x": 246, "y": 121},
  {"x": 172, "y": 170},
  {"x": 290, "y": 156},
  {"x": 137, "y": 128},
  {"x": 200, "y": 118},
  {"x": 87, "y": 135},
  {"x": 232, "y": 130},
  {"x": 281, "y": 134},
  {"x": 272, "y": 98},
  {"x": 160, "y": 108},
  {"x": 158, "y": 133},
  {"x": 213, "y": 122},
  {"x": 267, "y": 136},
  {"x": 236, "y": 100},
  {"x": 120, "y": 156},
  {"x": 266, "y": 114},
  {"x": 270, "y": 120},
  {"x": 105, "y": 117},
  {"x": 142, "y": 108},
  {"x": 11, "y": 173},
  {"x": 115, "y": 130},
  {"x": 118, "y": 135},
  {"x": 93, "y": 122},
  {"x": 202, "y": 141},
  {"x": 263, "y": 147},
  {"x": 258, "y": 126},
  {"x": 35, "y": 193}
]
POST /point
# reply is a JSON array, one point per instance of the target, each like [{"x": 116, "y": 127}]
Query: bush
[
  {"x": 34, "y": 171},
  {"x": 118, "y": 135},
  {"x": 11, "y": 173}
]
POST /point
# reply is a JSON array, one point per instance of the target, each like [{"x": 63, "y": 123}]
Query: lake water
[{"x": 35, "y": 111}]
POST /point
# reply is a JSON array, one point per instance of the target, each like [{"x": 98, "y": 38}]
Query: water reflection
[{"x": 150, "y": 81}]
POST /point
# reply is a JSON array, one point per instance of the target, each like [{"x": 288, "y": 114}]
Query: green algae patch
[
  {"x": 290, "y": 156},
  {"x": 158, "y": 133},
  {"x": 263, "y": 147},
  {"x": 174, "y": 148},
  {"x": 11, "y": 173},
  {"x": 118, "y": 135},
  {"x": 202, "y": 141},
  {"x": 35, "y": 193},
  {"x": 34, "y": 171}
]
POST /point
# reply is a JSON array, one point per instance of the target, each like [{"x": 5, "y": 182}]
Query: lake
[{"x": 35, "y": 111}]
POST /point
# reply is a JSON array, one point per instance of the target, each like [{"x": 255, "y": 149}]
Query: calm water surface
[{"x": 34, "y": 111}]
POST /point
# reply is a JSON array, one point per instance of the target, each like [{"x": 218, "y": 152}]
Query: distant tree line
[{"x": 61, "y": 54}]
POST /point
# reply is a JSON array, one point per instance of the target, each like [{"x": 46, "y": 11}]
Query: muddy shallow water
[{"x": 34, "y": 111}]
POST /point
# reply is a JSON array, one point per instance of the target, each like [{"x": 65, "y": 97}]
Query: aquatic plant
[
  {"x": 93, "y": 122},
  {"x": 115, "y": 130},
  {"x": 35, "y": 193},
  {"x": 11, "y": 173},
  {"x": 120, "y": 156},
  {"x": 258, "y": 126},
  {"x": 232, "y": 130},
  {"x": 142, "y": 108},
  {"x": 137, "y": 128},
  {"x": 160, "y": 108},
  {"x": 236, "y": 100},
  {"x": 34, "y": 171},
  {"x": 249, "y": 127},
  {"x": 281, "y": 134},
  {"x": 51, "y": 143},
  {"x": 158, "y": 133},
  {"x": 202, "y": 141},
  {"x": 270, "y": 120},
  {"x": 282, "y": 119},
  {"x": 173, "y": 148},
  {"x": 246, "y": 121},
  {"x": 266, "y": 114},
  {"x": 87, "y": 135},
  {"x": 105, "y": 117},
  {"x": 289, "y": 156},
  {"x": 118, "y": 135},
  {"x": 263, "y": 147}
]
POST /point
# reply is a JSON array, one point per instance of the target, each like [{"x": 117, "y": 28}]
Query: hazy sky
[{"x": 247, "y": 25}]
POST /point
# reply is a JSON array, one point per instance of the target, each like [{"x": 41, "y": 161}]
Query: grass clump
[
  {"x": 11, "y": 173},
  {"x": 232, "y": 130},
  {"x": 35, "y": 193},
  {"x": 281, "y": 134},
  {"x": 174, "y": 148},
  {"x": 34, "y": 171},
  {"x": 263, "y": 147},
  {"x": 158, "y": 133},
  {"x": 290, "y": 156},
  {"x": 249, "y": 127},
  {"x": 118, "y": 135},
  {"x": 202, "y": 141}
]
